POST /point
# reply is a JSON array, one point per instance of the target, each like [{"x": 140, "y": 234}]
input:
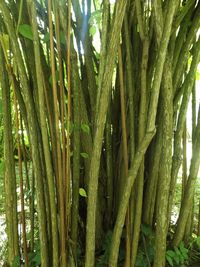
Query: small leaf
[
  {"x": 85, "y": 128},
  {"x": 82, "y": 192},
  {"x": 92, "y": 30},
  {"x": 84, "y": 155},
  {"x": 26, "y": 31}
]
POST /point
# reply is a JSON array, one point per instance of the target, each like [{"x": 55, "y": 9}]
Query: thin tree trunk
[
  {"x": 100, "y": 123},
  {"x": 48, "y": 163},
  {"x": 190, "y": 189},
  {"x": 10, "y": 177}
]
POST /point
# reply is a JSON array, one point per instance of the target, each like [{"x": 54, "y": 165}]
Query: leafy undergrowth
[{"x": 181, "y": 256}]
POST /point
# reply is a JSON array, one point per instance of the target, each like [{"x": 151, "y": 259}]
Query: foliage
[
  {"x": 17, "y": 262},
  {"x": 178, "y": 256},
  {"x": 85, "y": 128},
  {"x": 146, "y": 251},
  {"x": 95, "y": 21},
  {"x": 194, "y": 250},
  {"x": 84, "y": 155},
  {"x": 33, "y": 258},
  {"x": 26, "y": 31},
  {"x": 102, "y": 260}
]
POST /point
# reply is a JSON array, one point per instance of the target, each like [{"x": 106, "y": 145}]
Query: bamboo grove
[{"x": 94, "y": 138}]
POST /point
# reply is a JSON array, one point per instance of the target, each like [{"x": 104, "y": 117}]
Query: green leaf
[
  {"x": 92, "y": 30},
  {"x": 85, "y": 128},
  {"x": 26, "y": 31},
  {"x": 169, "y": 260},
  {"x": 82, "y": 192},
  {"x": 84, "y": 155},
  {"x": 183, "y": 250},
  {"x": 170, "y": 253},
  {"x": 176, "y": 258},
  {"x": 177, "y": 251},
  {"x": 96, "y": 17}
]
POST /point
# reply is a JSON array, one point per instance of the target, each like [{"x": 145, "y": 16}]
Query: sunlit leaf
[
  {"x": 198, "y": 76},
  {"x": 92, "y": 30},
  {"x": 84, "y": 155},
  {"x": 82, "y": 192},
  {"x": 96, "y": 17},
  {"x": 26, "y": 31},
  {"x": 85, "y": 128}
]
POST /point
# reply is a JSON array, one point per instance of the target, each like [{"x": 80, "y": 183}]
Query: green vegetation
[{"x": 99, "y": 117}]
